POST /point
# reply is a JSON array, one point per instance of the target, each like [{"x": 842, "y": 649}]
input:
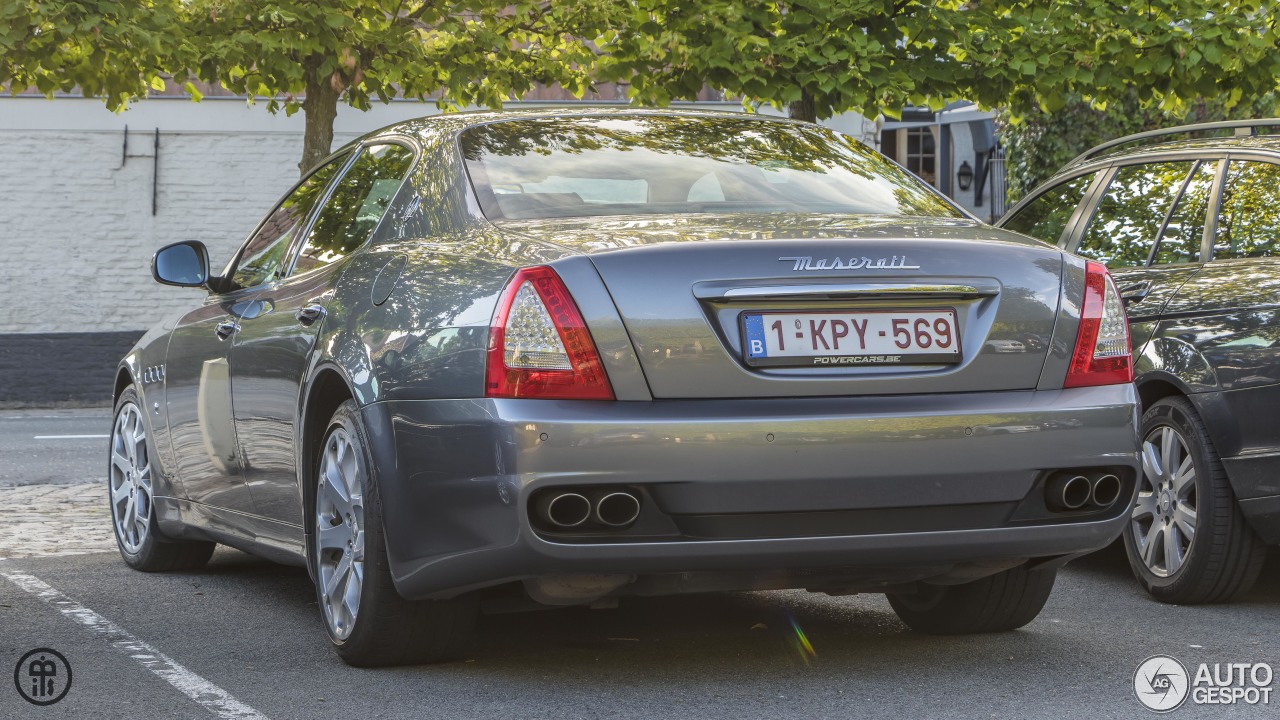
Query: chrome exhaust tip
[
  {"x": 564, "y": 510},
  {"x": 1066, "y": 491},
  {"x": 617, "y": 509},
  {"x": 1105, "y": 490}
]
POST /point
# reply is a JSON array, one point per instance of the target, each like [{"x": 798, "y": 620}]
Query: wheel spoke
[
  {"x": 333, "y": 537},
  {"x": 1153, "y": 542},
  {"x": 1184, "y": 480},
  {"x": 1151, "y": 464},
  {"x": 337, "y": 580},
  {"x": 1185, "y": 517},
  {"x": 120, "y": 462},
  {"x": 350, "y": 474},
  {"x": 130, "y": 449},
  {"x": 335, "y": 498},
  {"x": 130, "y": 512},
  {"x": 357, "y": 546},
  {"x": 351, "y": 592},
  {"x": 1144, "y": 507},
  {"x": 119, "y": 494},
  {"x": 1168, "y": 450},
  {"x": 1172, "y": 551}
]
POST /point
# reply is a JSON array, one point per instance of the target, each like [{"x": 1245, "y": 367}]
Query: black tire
[
  {"x": 1225, "y": 556},
  {"x": 1000, "y": 602},
  {"x": 388, "y": 630},
  {"x": 155, "y": 552}
]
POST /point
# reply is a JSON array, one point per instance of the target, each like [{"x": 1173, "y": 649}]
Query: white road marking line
[
  {"x": 70, "y": 437},
  {"x": 210, "y": 696}
]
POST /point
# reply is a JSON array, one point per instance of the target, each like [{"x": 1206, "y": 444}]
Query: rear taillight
[
  {"x": 539, "y": 346},
  {"x": 1101, "y": 355}
]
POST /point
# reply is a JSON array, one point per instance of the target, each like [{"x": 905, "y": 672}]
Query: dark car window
[
  {"x": 1249, "y": 224},
  {"x": 1123, "y": 230},
  {"x": 1180, "y": 242},
  {"x": 1045, "y": 217},
  {"x": 355, "y": 206},
  {"x": 267, "y": 250},
  {"x": 582, "y": 167}
]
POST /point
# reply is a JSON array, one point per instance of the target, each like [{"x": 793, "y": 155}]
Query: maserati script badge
[{"x": 854, "y": 263}]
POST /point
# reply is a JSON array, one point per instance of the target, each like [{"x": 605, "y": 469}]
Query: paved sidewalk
[{"x": 41, "y": 520}]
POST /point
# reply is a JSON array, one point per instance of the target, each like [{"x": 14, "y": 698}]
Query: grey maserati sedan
[{"x": 497, "y": 361}]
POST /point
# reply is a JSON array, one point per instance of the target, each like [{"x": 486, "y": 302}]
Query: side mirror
[{"x": 184, "y": 264}]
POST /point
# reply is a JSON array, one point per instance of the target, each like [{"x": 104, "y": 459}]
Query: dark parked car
[
  {"x": 1190, "y": 229},
  {"x": 554, "y": 358}
]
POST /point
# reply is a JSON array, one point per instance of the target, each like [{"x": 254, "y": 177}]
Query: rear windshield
[{"x": 583, "y": 167}]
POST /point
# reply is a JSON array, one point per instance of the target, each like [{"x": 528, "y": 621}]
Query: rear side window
[
  {"x": 1123, "y": 230},
  {"x": 1046, "y": 217},
  {"x": 1249, "y": 224},
  {"x": 1180, "y": 241},
  {"x": 355, "y": 206}
]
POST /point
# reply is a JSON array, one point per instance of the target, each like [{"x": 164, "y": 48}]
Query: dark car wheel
[
  {"x": 1000, "y": 602},
  {"x": 131, "y": 474},
  {"x": 1186, "y": 539},
  {"x": 369, "y": 623}
]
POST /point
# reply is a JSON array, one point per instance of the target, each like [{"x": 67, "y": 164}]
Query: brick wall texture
[
  {"x": 76, "y": 244},
  {"x": 79, "y": 230}
]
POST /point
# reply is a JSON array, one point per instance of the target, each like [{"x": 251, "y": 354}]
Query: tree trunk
[
  {"x": 319, "y": 107},
  {"x": 803, "y": 108}
]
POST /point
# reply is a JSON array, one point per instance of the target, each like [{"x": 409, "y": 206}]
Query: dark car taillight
[
  {"x": 1101, "y": 355},
  {"x": 539, "y": 346}
]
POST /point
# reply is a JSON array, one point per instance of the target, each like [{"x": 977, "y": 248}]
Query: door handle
[
  {"x": 226, "y": 329},
  {"x": 1135, "y": 293},
  {"x": 310, "y": 314}
]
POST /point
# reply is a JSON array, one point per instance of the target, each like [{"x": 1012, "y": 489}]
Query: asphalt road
[
  {"x": 53, "y": 446},
  {"x": 250, "y": 630}
]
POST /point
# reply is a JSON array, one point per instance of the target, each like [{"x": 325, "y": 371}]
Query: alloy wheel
[
  {"x": 130, "y": 478},
  {"x": 1163, "y": 521},
  {"x": 340, "y": 532}
]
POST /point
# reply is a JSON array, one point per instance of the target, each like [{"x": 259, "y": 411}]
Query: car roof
[
  {"x": 454, "y": 122},
  {"x": 1260, "y": 134}
]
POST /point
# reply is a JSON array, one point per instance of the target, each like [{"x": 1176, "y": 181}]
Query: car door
[
  {"x": 198, "y": 404},
  {"x": 273, "y": 350},
  {"x": 1147, "y": 228},
  {"x": 200, "y": 395},
  {"x": 1230, "y": 312}
]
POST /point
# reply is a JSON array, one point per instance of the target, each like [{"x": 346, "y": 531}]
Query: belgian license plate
[{"x": 877, "y": 337}]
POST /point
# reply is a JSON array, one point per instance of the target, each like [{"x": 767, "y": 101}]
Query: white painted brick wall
[{"x": 78, "y": 234}]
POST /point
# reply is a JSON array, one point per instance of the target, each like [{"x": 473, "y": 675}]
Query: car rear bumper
[{"x": 754, "y": 485}]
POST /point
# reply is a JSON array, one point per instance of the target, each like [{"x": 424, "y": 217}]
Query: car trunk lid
[{"x": 844, "y": 291}]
